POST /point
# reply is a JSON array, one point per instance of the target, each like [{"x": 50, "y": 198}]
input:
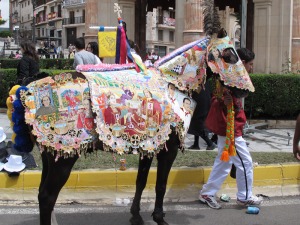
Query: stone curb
[
  {"x": 264, "y": 175},
  {"x": 105, "y": 186}
]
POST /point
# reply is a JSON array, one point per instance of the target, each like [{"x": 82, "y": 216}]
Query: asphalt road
[{"x": 276, "y": 211}]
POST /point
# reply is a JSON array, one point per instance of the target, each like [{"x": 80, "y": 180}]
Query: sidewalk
[
  {"x": 258, "y": 142},
  {"x": 104, "y": 186}
]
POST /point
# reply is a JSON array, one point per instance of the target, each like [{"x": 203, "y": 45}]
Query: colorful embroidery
[
  {"x": 60, "y": 112},
  {"x": 135, "y": 112},
  {"x": 187, "y": 69}
]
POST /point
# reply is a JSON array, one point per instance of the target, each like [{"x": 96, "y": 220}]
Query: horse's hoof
[
  {"x": 136, "y": 220},
  {"x": 135, "y": 209},
  {"x": 158, "y": 217}
]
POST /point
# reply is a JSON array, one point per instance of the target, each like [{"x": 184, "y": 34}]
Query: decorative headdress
[{"x": 223, "y": 59}]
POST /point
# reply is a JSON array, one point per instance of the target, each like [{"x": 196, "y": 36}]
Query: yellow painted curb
[{"x": 268, "y": 175}]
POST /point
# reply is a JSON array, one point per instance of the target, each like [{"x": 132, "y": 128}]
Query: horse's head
[{"x": 225, "y": 63}]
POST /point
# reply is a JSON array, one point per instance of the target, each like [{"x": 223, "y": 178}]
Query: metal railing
[
  {"x": 73, "y": 2},
  {"x": 73, "y": 20}
]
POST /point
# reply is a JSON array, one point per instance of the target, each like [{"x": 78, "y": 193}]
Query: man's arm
[
  {"x": 296, "y": 148},
  {"x": 77, "y": 60}
]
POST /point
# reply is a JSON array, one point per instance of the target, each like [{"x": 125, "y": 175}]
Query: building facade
[
  {"x": 160, "y": 31},
  {"x": 273, "y": 33}
]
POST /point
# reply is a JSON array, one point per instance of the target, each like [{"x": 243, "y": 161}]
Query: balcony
[
  {"x": 167, "y": 23},
  {"x": 54, "y": 15},
  {"x": 71, "y": 3},
  {"x": 73, "y": 20}
]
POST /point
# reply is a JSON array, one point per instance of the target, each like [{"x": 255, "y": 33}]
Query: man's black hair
[
  {"x": 245, "y": 54},
  {"x": 169, "y": 84},
  {"x": 187, "y": 99},
  {"x": 79, "y": 43}
]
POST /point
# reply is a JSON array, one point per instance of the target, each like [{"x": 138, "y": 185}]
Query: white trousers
[{"x": 221, "y": 169}]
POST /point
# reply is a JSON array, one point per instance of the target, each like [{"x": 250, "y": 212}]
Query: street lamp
[{"x": 34, "y": 5}]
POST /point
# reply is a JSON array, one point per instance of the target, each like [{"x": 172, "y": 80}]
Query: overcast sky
[{"x": 4, "y": 7}]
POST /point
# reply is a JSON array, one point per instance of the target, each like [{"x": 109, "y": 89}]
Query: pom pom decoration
[
  {"x": 10, "y": 109},
  {"x": 20, "y": 91},
  {"x": 21, "y": 136}
]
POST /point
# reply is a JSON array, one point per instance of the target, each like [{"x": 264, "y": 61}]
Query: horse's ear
[{"x": 222, "y": 33}]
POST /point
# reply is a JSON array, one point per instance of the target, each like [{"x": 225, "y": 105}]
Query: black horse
[{"x": 57, "y": 168}]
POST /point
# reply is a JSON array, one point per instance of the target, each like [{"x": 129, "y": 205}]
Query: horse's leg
[
  {"x": 44, "y": 169},
  {"x": 141, "y": 180},
  {"x": 165, "y": 161},
  {"x": 57, "y": 175}
]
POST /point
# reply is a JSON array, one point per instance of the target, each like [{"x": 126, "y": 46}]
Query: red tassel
[{"x": 123, "y": 50}]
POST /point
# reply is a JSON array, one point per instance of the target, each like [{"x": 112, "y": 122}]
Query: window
[
  {"x": 171, "y": 36},
  {"x": 59, "y": 10},
  {"x": 52, "y": 9},
  {"x": 72, "y": 17},
  {"x": 160, "y": 15},
  {"x": 28, "y": 17},
  {"x": 160, "y": 35},
  {"x": 83, "y": 16},
  {"x": 172, "y": 14},
  {"x": 160, "y": 50}
]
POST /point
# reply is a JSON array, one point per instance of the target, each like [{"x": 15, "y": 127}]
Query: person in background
[
  {"x": 72, "y": 55},
  {"x": 18, "y": 55},
  {"x": 70, "y": 48},
  {"x": 197, "y": 126},
  {"x": 83, "y": 57},
  {"x": 296, "y": 141},
  {"x": 8, "y": 42},
  {"x": 59, "y": 52},
  {"x": 93, "y": 48},
  {"x": 28, "y": 66},
  {"x": 242, "y": 160},
  {"x": 12, "y": 55}
]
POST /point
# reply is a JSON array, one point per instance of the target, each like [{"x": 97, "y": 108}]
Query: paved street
[{"x": 276, "y": 211}]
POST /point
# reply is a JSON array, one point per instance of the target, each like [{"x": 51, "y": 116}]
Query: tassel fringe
[{"x": 229, "y": 149}]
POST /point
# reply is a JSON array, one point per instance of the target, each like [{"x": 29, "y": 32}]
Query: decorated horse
[{"x": 126, "y": 108}]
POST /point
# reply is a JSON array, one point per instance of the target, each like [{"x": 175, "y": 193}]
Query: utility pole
[{"x": 34, "y": 5}]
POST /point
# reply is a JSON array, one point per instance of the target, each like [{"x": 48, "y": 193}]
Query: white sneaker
[
  {"x": 210, "y": 201},
  {"x": 253, "y": 200}
]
